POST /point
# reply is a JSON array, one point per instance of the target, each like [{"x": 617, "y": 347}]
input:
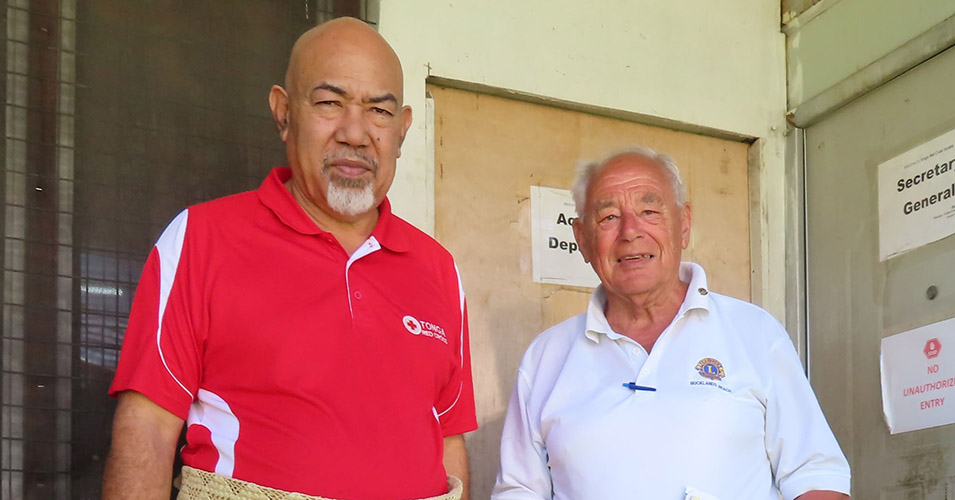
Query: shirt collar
[
  {"x": 597, "y": 323},
  {"x": 697, "y": 293},
  {"x": 279, "y": 199},
  {"x": 388, "y": 230},
  {"x": 697, "y": 297}
]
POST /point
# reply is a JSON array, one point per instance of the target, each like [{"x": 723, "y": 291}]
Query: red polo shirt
[{"x": 296, "y": 366}]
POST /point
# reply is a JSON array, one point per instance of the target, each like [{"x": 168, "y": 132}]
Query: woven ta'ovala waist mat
[{"x": 202, "y": 485}]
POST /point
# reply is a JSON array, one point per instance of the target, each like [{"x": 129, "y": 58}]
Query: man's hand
[
  {"x": 456, "y": 461},
  {"x": 822, "y": 495},
  {"x": 141, "y": 455}
]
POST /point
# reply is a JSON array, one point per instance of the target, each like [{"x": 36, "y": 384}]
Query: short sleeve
[
  {"x": 160, "y": 357},
  {"x": 802, "y": 450},
  {"x": 524, "y": 473}
]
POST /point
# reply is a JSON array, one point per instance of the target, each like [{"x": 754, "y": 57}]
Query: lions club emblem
[{"x": 711, "y": 368}]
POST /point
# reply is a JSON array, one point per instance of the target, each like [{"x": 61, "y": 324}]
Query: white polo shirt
[{"x": 732, "y": 415}]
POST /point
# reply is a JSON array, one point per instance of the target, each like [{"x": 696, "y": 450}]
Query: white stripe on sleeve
[
  {"x": 460, "y": 339},
  {"x": 169, "y": 248}
]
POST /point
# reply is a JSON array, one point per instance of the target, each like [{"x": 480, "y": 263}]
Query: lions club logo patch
[{"x": 711, "y": 368}]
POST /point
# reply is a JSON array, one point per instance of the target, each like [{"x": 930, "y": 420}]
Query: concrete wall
[
  {"x": 711, "y": 64},
  {"x": 835, "y": 39}
]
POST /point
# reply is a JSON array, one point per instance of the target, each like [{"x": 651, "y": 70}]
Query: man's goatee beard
[
  {"x": 349, "y": 196},
  {"x": 350, "y": 201}
]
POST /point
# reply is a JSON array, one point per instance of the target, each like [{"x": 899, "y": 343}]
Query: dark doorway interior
[{"x": 118, "y": 114}]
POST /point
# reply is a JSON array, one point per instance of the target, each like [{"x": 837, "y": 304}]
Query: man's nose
[
  {"x": 352, "y": 128},
  {"x": 630, "y": 226}
]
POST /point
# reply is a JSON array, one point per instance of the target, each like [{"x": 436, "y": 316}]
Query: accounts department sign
[
  {"x": 917, "y": 196},
  {"x": 555, "y": 256}
]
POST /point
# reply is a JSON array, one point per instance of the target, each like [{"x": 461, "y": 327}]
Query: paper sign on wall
[
  {"x": 918, "y": 377},
  {"x": 917, "y": 196},
  {"x": 556, "y": 258}
]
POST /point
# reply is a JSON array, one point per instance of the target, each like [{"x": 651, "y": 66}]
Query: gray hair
[{"x": 587, "y": 170}]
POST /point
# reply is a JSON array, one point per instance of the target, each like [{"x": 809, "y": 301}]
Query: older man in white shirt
[{"x": 662, "y": 389}]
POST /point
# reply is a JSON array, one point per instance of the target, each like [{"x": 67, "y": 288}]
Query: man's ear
[
  {"x": 686, "y": 216},
  {"x": 405, "y": 125},
  {"x": 583, "y": 244},
  {"x": 278, "y": 101}
]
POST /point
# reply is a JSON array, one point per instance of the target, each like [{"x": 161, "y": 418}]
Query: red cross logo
[{"x": 412, "y": 325}]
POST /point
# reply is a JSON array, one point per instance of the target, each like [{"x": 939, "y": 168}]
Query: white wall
[{"x": 713, "y": 64}]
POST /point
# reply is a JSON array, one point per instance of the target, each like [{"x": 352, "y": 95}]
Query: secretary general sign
[{"x": 917, "y": 196}]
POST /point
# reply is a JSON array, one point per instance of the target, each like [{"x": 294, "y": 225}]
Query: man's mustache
[{"x": 350, "y": 155}]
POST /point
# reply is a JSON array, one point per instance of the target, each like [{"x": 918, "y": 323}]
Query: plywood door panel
[{"x": 488, "y": 152}]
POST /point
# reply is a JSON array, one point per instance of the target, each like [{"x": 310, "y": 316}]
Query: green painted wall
[{"x": 848, "y": 36}]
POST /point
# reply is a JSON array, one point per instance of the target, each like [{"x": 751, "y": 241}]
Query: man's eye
[
  {"x": 326, "y": 103},
  {"x": 609, "y": 218},
  {"x": 381, "y": 111},
  {"x": 649, "y": 212}
]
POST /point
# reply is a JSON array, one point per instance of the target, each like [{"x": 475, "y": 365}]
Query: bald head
[
  {"x": 338, "y": 41},
  {"x": 342, "y": 118}
]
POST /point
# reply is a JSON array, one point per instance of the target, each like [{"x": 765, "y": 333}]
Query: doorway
[{"x": 489, "y": 151}]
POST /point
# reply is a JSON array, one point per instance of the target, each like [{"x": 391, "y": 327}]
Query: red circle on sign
[{"x": 932, "y": 348}]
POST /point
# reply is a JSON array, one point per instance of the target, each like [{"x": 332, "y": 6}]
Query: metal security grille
[
  {"x": 117, "y": 115},
  {"x": 362, "y": 9}
]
